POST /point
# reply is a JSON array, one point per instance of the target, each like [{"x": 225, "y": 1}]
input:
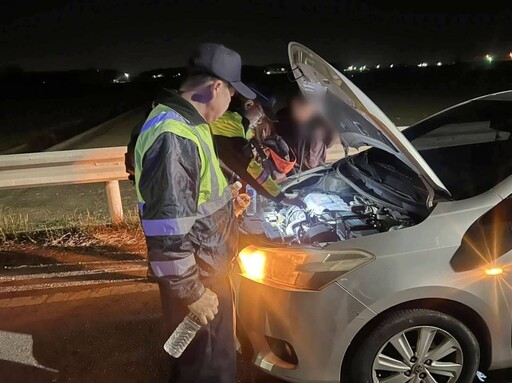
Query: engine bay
[{"x": 333, "y": 212}]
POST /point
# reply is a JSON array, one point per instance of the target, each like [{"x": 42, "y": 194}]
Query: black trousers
[{"x": 211, "y": 356}]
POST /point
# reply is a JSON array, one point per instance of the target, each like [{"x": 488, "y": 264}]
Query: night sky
[{"x": 139, "y": 35}]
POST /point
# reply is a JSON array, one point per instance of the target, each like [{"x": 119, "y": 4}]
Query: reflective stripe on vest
[
  {"x": 230, "y": 125},
  {"x": 175, "y": 267},
  {"x": 213, "y": 189},
  {"x": 182, "y": 225},
  {"x": 263, "y": 178}
]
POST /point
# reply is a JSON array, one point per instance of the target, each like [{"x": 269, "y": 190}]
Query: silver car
[{"x": 400, "y": 268}]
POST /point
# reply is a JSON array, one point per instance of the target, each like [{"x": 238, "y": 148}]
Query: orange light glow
[
  {"x": 494, "y": 271},
  {"x": 253, "y": 263}
]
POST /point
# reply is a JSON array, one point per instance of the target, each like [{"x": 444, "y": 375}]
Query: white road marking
[
  {"x": 57, "y": 285},
  {"x": 75, "y": 273}
]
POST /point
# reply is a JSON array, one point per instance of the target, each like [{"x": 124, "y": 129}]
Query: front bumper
[{"x": 311, "y": 330}]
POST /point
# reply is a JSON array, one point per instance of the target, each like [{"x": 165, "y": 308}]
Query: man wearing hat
[
  {"x": 234, "y": 136},
  {"x": 187, "y": 213}
]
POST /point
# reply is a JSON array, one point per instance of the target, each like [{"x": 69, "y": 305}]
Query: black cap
[
  {"x": 267, "y": 103},
  {"x": 223, "y": 63}
]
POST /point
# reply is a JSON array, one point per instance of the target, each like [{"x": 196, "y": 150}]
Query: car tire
[{"x": 364, "y": 364}]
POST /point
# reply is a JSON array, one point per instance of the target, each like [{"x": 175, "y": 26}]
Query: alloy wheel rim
[{"x": 422, "y": 354}]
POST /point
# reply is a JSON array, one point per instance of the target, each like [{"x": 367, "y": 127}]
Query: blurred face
[
  {"x": 253, "y": 112},
  {"x": 221, "y": 97},
  {"x": 302, "y": 110}
]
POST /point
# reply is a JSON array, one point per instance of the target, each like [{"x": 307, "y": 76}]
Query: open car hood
[{"x": 357, "y": 119}]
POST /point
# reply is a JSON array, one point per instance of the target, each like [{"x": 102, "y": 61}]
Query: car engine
[
  {"x": 334, "y": 211},
  {"x": 330, "y": 218}
]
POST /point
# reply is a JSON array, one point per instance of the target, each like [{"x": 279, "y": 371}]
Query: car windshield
[{"x": 468, "y": 147}]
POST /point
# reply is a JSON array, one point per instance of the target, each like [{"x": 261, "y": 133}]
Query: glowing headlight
[
  {"x": 253, "y": 264},
  {"x": 493, "y": 271},
  {"x": 298, "y": 269}
]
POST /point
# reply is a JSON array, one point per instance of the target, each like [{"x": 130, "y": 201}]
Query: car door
[{"x": 469, "y": 147}]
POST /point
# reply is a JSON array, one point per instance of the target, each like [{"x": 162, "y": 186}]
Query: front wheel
[{"x": 417, "y": 346}]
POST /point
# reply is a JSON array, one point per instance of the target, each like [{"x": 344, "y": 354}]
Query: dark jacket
[
  {"x": 236, "y": 153},
  {"x": 169, "y": 185}
]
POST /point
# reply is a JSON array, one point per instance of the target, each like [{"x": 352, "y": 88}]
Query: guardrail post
[{"x": 114, "y": 201}]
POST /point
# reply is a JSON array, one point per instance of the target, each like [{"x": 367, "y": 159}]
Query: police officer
[
  {"x": 234, "y": 134},
  {"x": 187, "y": 214}
]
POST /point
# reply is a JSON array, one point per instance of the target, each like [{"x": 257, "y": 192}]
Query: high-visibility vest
[
  {"x": 213, "y": 187},
  {"x": 230, "y": 125}
]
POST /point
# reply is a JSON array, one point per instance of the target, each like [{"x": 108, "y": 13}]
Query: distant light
[
  {"x": 44, "y": 82},
  {"x": 489, "y": 58},
  {"x": 439, "y": 63},
  {"x": 126, "y": 75},
  {"x": 392, "y": 65},
  {"x": 494, "y": 271},
  {"x": 283, "y": 69},
  {"x": 378, "y": 66},
  {"x": 422, "y": 65},
  {"x": 179, "y": 74},
  {"x": 363, "y": 68},
  {"x": 267, "y": 72}
]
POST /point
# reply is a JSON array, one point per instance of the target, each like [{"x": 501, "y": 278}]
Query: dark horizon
[{"x": 140, "y": 35}]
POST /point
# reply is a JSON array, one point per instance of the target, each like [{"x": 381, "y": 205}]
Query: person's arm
[
  {"x": 231, "y": 152},
  {"x": 169, "y": 186},
  {"x": 329, "y": 136}
]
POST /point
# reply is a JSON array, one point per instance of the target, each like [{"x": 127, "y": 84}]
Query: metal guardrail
[
  {"x": 68, "y": 167},
  {"x": 71, "y": 167}
]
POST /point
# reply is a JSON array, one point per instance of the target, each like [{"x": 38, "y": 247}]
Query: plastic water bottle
[
  {"x": 235, "y": 188},
  {"x": 242, "y": 202},
  {"x": 252, "y": 208},
  {"x": 182, "y": 336}
]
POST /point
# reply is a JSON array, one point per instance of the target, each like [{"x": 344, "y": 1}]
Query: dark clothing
[
  {"x": 189, "y": 245},
  {"x": 235, "y": 151},
  {"x": 191, "y": 232},
  {"x": 210, "y": 357},
  {"x": 309, "y": 141}
]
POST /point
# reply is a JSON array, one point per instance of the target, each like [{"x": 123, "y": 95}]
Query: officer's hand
[
  {"x": 294, "y": 201},
  {"x": 206, "y": 307}
]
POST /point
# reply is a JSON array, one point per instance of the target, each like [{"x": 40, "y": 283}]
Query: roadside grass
[{"x": 71, "y": 231}]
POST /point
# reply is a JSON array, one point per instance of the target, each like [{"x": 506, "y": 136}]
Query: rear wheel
[{"x": 417, "y": 346}]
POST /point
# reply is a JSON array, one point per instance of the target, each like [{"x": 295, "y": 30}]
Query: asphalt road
[
  {"x": 107, "y": 339},
  {"x": 87, "y": 316},
  {"x": 82, "y": 315}
]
